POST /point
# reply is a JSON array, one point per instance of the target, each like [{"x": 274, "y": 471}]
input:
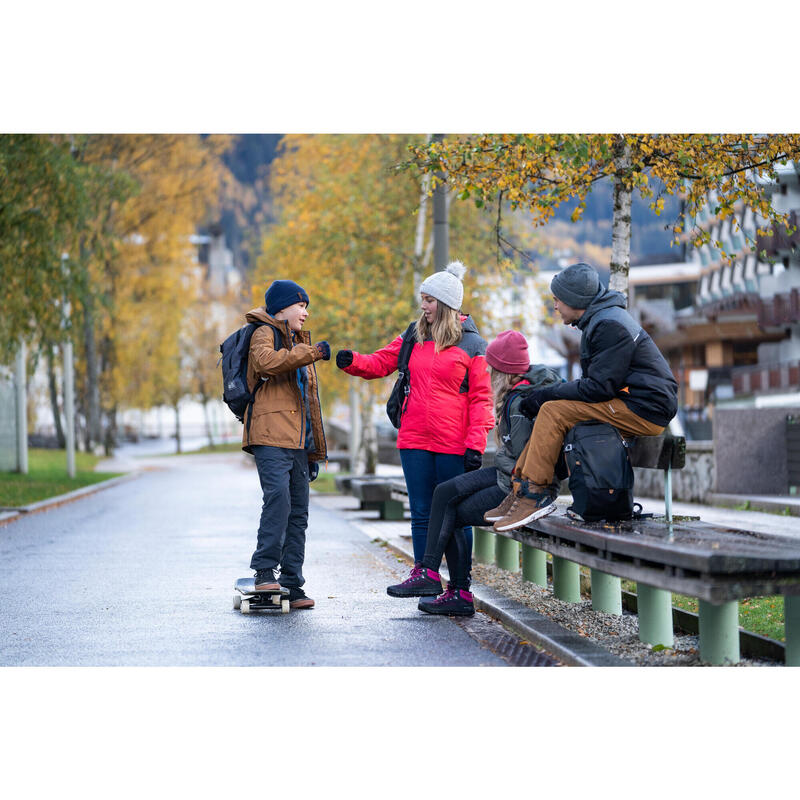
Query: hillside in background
[{"x": 246, "y": 209}]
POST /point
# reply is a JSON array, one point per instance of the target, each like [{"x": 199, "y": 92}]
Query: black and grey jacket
[
  {"x": 514, "y": 428},
  {"x": 619, "y": 359}
]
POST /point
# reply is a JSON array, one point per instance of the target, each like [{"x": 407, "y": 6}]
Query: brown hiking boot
[
  {"x": 526, "y": 509},
  {"x": 494, "y": 514}
]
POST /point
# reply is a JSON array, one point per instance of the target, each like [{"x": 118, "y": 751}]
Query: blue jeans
[
  {"x": 284, "y": 514},
  {"x": 424, "y": 471}
]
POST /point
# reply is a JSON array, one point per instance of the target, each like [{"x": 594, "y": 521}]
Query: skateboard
[{"x": 247, "y": 599}]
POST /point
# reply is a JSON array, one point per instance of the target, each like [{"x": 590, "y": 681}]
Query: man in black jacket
[{"x": 626, "y": 382}]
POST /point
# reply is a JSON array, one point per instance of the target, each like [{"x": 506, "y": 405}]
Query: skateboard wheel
[
  {"x": 245, "y": 607},
  {"x": 237, "y": 601},
  {"x": 275, "y": 599},
  {"x": 284, "y": 606}
]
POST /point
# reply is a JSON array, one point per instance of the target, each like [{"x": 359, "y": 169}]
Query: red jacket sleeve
[
  {"x": 480, "y": 410},
  {"x": 379, "y": 364}
]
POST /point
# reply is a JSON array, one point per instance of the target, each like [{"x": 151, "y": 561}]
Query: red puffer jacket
[{"x": 449, "y": 408}]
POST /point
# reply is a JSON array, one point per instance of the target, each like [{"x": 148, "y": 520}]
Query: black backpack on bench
[{"x": 600, "y": 472}]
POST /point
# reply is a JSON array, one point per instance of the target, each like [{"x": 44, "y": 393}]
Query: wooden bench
[
  {"x": 378, "y": 494},
  {"x": 718, "y": 566}
]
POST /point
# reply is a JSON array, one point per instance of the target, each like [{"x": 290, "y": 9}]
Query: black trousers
[{"x": 461, "y": 501}]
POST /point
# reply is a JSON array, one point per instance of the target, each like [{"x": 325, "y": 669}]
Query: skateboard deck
[{"x": 248, "y": 599}]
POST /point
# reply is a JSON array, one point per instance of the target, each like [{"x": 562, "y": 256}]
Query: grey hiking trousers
[{"x": 284, "y": 514}]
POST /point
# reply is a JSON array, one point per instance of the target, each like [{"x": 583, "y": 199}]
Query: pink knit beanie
[{"x": 509, "y": 353}]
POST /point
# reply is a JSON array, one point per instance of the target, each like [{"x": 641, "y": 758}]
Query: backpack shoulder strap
[{"x": 404, "y": 356}]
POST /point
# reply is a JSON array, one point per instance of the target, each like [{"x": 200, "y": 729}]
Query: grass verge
[{"x": 47, "y": 477}]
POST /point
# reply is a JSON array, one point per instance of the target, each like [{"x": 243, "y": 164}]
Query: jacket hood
[
  {"x": 539, "y": 375},
  {"x": 260, "y": 315},
  {"x": 605, "y": 299},
  {"x": 467, "y": 325}
]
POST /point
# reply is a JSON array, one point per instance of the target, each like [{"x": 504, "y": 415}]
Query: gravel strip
[{"x": 617, "y": 634}]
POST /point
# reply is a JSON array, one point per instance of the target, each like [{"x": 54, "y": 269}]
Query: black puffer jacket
[{"x": 619, "y": 359}]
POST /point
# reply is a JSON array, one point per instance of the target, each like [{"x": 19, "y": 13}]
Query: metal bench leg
[
  {"x": 566, "y": 580},
  {"x": 606, "y": 592},
  {"x": 483, "y": 545},
  {"x": 655, "y": 615},
  {"x": 791, "y": 616},
  {"x": 391, "y": 510},
  {"x": 507, "y": 553},
  {"x": 534, "y": 565},
  {"x": 719, "y": 632},
  {"x": 668, "y": 493}
]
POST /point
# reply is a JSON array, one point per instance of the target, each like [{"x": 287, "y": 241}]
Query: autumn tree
[
  {"x": 346, "y": 229},
  {"x": 143, "y": 284},
  {"x": 540, "y": 172}
]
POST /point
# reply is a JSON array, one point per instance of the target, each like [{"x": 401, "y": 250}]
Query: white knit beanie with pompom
[{"x": 446, "y": 285}]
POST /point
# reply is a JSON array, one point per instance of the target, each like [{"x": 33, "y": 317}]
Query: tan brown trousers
[{"x": 537, "y": 462}]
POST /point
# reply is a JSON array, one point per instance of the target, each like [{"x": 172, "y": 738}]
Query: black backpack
[
  {"x": 395, "y": 405},
  {"x": 235, "y": 350},
  {"x": 600, "y": 472}
]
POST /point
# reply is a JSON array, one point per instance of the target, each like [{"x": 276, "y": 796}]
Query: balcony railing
[
  {"x": 778, "y": 242},
  {"x": 766, "y": 378}
]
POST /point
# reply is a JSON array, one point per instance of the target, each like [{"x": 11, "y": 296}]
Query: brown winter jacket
[{"x": 278, "y": 416}]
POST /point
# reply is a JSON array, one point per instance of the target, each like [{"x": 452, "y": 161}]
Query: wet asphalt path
[{"x": 142, "y": 574}]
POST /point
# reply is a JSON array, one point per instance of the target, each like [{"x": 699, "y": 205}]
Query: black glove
[
  {"x": 472, "y": 460},
  {"x": 325, "y": 349},
  {"x": 532, "y": 402},
  {"x": 313, "y": 470},
  {"x": 344, "y": 358}
]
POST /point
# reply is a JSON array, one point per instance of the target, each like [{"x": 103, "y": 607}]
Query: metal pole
[
  {"x": 606, "y": 592},
  {"x": 483, "y": 545},
  {"x": 534, "y": 565},
  {"x": 441, "y": 241},
  {"x": 719, "y": 632},
  {"x": 791, "y": 617},
  {"x": 668, "y": 492},
  {"x": 507, "y": 553},
  {"x": 566, "y": 580},
  {"x": 69, "y": 407},
  {"x": 655, "y": 615},
  {"x": 22, "y": 409}
]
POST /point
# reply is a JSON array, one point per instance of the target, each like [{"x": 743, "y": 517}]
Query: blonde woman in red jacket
[{"x": 447, "y": 413}]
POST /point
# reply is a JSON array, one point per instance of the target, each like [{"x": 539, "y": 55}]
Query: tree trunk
[
  {"x": 369, "y": 434},
  {"x": 53, "y": 386},
  {"x": 207, "y": 420},
  {"x": 177, "y": 427},
  {"x": 621, "y": 226},
  {"x": 110, "y": 438},
  {"x": 354, "y": 440}
]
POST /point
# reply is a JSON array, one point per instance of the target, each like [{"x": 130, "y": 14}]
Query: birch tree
[{"x": 540, "y": 172}]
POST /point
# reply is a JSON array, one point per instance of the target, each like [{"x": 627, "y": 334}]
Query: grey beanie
[
  {"x": 446, "y": 285},
  {"x": 577, "y": 285}
]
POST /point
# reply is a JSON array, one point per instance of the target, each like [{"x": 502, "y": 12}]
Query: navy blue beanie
[{"x": 282, "y": 294}]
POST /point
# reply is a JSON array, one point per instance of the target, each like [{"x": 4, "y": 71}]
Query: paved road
[{"x": 142, "y": 574}]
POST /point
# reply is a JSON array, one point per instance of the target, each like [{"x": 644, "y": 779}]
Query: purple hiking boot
[
  {"x": 421, "y": 582},
  {"x": 453, "y": 603}
]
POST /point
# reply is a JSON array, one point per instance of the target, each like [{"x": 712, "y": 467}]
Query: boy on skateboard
[{"x": 283, "y": 431}]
